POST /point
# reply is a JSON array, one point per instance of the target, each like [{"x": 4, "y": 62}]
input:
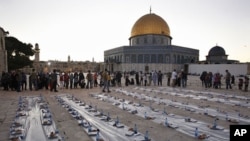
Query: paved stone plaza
[{"x": 70, "y": 130}]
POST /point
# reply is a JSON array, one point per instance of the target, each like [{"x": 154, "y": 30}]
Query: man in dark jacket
[{"x": 53, "y": 81}]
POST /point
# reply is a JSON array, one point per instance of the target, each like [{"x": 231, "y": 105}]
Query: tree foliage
[{"x": 18, "y": 53}]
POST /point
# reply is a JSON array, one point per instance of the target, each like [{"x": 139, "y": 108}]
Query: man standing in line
[
  {"x": 95, "y": 79},
  {"x": 154, "y": 77},
  {"x": 159, "y": 78},
  {"x": 53, "y": 81},
  {"x": 137, "y": 78},
  {"x": 118, "y": 78},
  {"x": 81, "y": 79},
  {"x": 168, "y": 78},
  {"x": 66, "y": 79},
  {"x": 89, "y": 80},
  {"x": 24, "y": 81},
  {"x": 183, "y": 78},
  {"x": 174, "y": 77},
  {"x": 228, "y": 77},
  {"x": 33, "y": 80},
  {"x": 71, "y": 80},
  {"x": 105, "y": 80}
]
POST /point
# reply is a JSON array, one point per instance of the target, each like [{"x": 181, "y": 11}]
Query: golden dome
[{"x": 150, "y": 24}]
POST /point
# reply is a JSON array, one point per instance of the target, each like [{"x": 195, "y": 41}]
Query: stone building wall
[
  {"x": 3, "y": 52},
  {"x": 128, "y": 67}
]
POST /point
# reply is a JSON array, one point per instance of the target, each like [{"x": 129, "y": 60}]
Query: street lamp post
[{"x": 13, "y": 53}]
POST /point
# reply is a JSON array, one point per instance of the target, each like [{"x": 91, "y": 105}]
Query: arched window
[
  {"x": 153, "y": 58},
  {"x": 178, "y": 59},
  {"x": 162, "y": 40},
  {"x": 145, "y": 40},
  {"x": 154, "y": 40},
  {"x": 160, "y": 58},
  {"x": 127, "y": 59},
  {"x": 182, "y": 59},
  {"x": 137, "y": 40},
  {"x": 147, "y": 58},
  {"x": 174, "y": 61},
  {"x": 133, "y": 58},
  {"x": 167, "y": 59},
  {"x": 140, "y": 58}
]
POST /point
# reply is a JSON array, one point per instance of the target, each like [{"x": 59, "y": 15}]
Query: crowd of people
[
  {"x": 19, "y": 81},
  {"x": 210, "y": 80}
]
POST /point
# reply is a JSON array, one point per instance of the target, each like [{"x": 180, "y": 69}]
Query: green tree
[{"x": 18, "y": 53}]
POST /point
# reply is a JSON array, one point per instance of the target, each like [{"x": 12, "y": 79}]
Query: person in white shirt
[{"x": 173, "y": 78}]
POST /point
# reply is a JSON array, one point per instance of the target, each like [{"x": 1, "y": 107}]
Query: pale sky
[{"x": 84, "y": 29}]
